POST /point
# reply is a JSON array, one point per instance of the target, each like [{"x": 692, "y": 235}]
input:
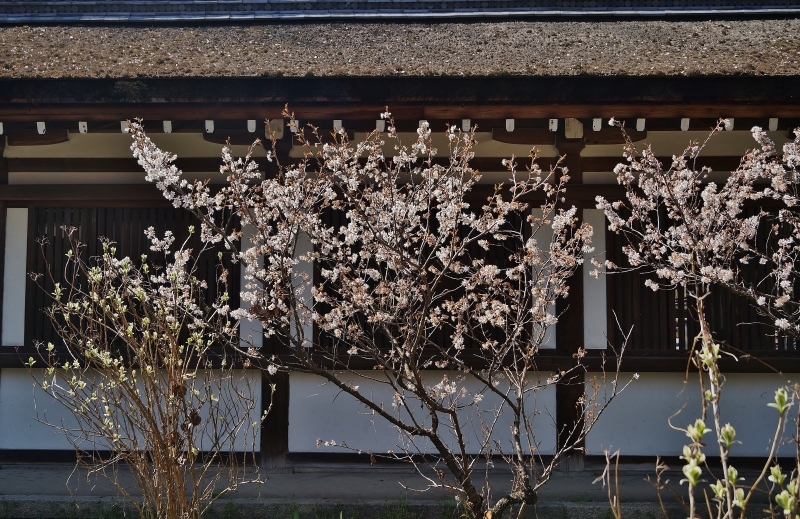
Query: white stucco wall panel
[
  {"x": 319, "y": 411},
  {"x": 303, "y": 288},
  {"x": 20, "y": 404},
  {"x": 118, "y": 145},
  {"x": 26, "y": 410},
  {"x": 637, "y": 422},
  {"x": 485, "y": 146},
  {"x": 595, "y": 325},
  {"x": 15, "y": 276},
  {"x": 250, "y": 331},
  {"x": 668, "y": 143}
]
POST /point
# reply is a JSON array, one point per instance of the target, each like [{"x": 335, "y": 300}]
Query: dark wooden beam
[
  {"x": 453, "y": 114},
  {"x": 205, "y": 164},
  {"x": 3, "y": 162},
  {"x": 527, "y": 130},
  {"x": 717, "y": 163},
  {"x": 34, "y": 138},
  {"x": 569, "y": 329},
  {"x": 407, "y": 97},
  {"x": 109, "y": 165},
  {"x": 208, "y": 164},
  {"x": 571, "y": 150},
  {"x": 132, "y": 195},
  {"x": 211, "y": 164},
  {"x": 280, "y": 149},
  {"x": 275, "y": 427}
]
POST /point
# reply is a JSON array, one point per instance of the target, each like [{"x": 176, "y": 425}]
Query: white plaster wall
[
  {"x": 549, "y": 342},
  {"x": 318, "y": 411},
  {"x": 231, "y": 390},
  {"x": 250, "y": 331},
  {"x": 25, "y": 411},
  {"x": 15, "y": 277},
  {"x": 485, "y": 147},
  {"x": 303, "y": 288},
  {"x": 108, "y": 145},
  {"x": 117, "y": 145},
  {"x": 595, "y": 325},
  {"x": 636, "y": 422},
  {"x": 20, "y": 405},
  {"x": 667, "y": 143}
]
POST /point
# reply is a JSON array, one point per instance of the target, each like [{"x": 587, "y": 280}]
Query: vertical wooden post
[
  {"x": 283, "y": 147},
  {"x": 569, "y": 330},
  {"x": 275, "y": 427}
]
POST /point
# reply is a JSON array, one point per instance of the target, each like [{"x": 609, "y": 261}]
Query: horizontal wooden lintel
[
  {"x": 211, "y": 165},
  {"x": 429, "y": 97},
  {"x": 716, "y": 163},
  {"x": 102, "y": 195},
  {"x": 453, "y": 113},
  {"x": 133, "y": 195},
  {"x": 107, "y": 165}
]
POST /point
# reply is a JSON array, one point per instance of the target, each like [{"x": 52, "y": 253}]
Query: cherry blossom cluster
[
  {"x": 397, "y": 279},
  {"x": 693, "y": 232}
]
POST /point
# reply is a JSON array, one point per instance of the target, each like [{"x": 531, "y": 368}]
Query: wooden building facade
[{"x": 541, "y": 73}]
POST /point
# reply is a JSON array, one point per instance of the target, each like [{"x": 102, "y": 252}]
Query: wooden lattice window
[
  {"x": 664, "y": 321},
  {"x": 125, "y": 227}
]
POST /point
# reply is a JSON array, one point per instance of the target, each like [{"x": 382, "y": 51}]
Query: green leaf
[
  {"x": 733, "y": 475},
  {"x": 719, "y": 489},
  {"x": 738, "y": 498},
  {"x": 692, "y": 472},
  {"x": 696, "y": 431},
  {"x": 785, "y": 500},
  {"x": 727, "y": 435},
  {"x": 781, "y": 403},
  {"x": 776, "y": 475}
]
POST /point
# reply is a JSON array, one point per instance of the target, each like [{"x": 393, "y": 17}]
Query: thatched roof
[
  {"x": 515, "y": 48},
  {"x": 124, "y": 11}
]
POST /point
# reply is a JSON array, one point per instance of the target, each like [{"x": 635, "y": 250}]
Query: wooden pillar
[
  {"x": 275, "y": 427},
  {"x": 569, "y": 330},
  {"x": 283, "y": 147}
]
